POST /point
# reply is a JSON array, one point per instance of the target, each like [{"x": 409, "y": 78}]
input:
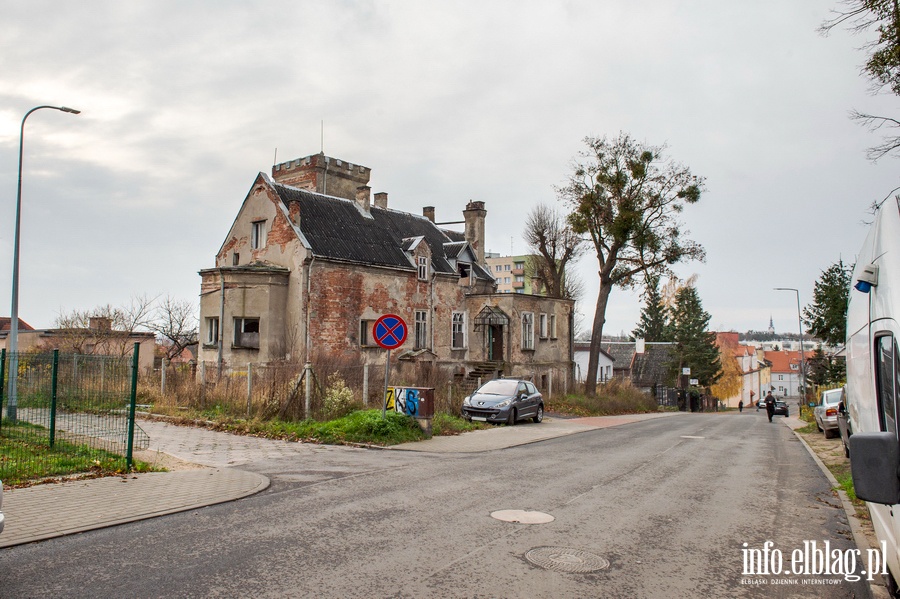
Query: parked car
[
  {"x": 844, "y": 425},
  {"x": 827, "y": 410},
  {"x": 504, "y": 400},
  {"x": 781, "y": 408},
  {"x": 1, "y": 506}
]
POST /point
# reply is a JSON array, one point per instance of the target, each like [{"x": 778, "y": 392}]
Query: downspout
[
  {"x": 219, "y": 357},
  {"x": 308, "y": 340},
  {"x": 431, "y": 309}
]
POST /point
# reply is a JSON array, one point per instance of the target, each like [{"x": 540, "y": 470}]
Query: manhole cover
[
  {"x": 566, "y": 559},
  {"x": 522, "y": 516}
]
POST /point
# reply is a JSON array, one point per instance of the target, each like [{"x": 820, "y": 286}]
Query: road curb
[{"x": 877, "y": 589}]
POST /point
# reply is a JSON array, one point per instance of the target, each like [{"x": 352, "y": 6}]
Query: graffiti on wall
[{"x": 403, "y": 400}]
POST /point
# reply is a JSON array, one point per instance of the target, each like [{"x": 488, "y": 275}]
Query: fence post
[
  {"x": 162, "y": 385},
  {"x": 308, "y": 374},
  {"x": 54, "y": 376},
  {"x": 203, "y": 383},
  {"x": 365, "y": 385},
  {"x": 249, "y": 387},
  {"x": 129, "y": 455},
  {"x": 550, "y": 387},
  {"x": 2, "y": 383}
]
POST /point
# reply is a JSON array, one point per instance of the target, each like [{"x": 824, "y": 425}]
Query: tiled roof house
[{"x": 311, "y": 262}]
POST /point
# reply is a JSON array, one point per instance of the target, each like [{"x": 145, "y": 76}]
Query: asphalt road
[{"x": 662, "y": 507}]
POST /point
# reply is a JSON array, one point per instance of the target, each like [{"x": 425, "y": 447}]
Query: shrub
[{"x": 338, "y": 400}]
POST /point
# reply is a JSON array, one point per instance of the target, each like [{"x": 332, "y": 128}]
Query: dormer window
[
  {"x": 422, "y": 268},
  {"x": 257, "y": 234},
  {"x": 464, "y": 269}
]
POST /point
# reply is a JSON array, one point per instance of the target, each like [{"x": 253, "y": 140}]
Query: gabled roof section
[{"x": 335, "y": 229}]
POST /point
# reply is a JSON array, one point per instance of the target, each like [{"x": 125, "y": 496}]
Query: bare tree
[
  {"x": 626, "y": 196},
  {"x": 556, "y": 245},
  {"x": 882, "y": 66},
  {"x": 104, "y": 329},
  {"x": 175, "y": 322}
]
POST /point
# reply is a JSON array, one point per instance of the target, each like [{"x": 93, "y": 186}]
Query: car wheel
[
  {"x": 539, "y": 415},
  {"x": 819, "y": 426},
  {"x": 829, "y": 433},
  {"x": 511, "y": 419}
]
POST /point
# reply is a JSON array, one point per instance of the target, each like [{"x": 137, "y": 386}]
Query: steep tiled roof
[
  {"x": 6, "y": 320},
  {"x": 336, "y": 229},
  {"x": 781, "y": 360},
  {"x": 652, "y": 366}
]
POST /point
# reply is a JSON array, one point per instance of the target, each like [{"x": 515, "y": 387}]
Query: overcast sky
[{"x": 183, "y": 103}]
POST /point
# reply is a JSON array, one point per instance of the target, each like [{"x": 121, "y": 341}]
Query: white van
[{"x": 873, "y": 377}]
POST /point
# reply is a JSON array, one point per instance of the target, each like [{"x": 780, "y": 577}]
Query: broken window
[
  {"x": 212, "y": 330},
  {"x": 257, "y": 234},
  {"x": 459, "y": 331},
  {"x": 465, "y": 272},
  {"x": 527, "y": 330},
  {"x": 421, "y": 329},
  {"x": 365, "y": 333},
  {"x": 246, "y": 332}
]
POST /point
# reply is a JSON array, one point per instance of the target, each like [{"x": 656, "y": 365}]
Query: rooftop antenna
[
  {"x": 323, "y": 137},
  {"x": 275, "y": 160}
]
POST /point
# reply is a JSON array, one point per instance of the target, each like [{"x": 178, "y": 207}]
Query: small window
[
  {"x": 520, "y": 265},
  {"x": 506, "y": 280},
  {"x": 235, "y": 259},
  {"x": 212, "y": 330},
  {"x": 527, "y": 330},
  {"x": 422, "y": 268},
  {"x": 520, "y": 278},
  {"x": 553, "y": 326},
  {"x": 506, "y": 267},
  {"x": 498, "y": 268},
  {"x": 458, "y": 340},
  {"x": 246, "y": 332},
  {"x": 421, "y": 329},
  {"x": 365, "y": 333},
  {"x": 258, "y": 235},
  {"x": 543, "y": 326}
]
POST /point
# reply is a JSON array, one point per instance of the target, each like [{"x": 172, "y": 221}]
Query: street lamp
[
  {"x": 802, "y": 361},
  {"x": 14, "y": 316}
]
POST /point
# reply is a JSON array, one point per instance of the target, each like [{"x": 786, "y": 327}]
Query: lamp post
[
  {"x": 802, "y": 361},
  {"x": 14, "y": 316}
]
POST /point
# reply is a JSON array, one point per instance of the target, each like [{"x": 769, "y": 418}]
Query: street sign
[
  {"x": 686, "y": 371},
  {"x": 389, "y": 331},
  {"x": 695, "y": 382}
]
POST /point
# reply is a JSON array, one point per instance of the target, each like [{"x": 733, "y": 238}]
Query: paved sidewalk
[{"x": 53, "y": 510}]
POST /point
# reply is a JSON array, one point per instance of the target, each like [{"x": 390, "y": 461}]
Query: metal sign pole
[{"x": 387, "y": 372}]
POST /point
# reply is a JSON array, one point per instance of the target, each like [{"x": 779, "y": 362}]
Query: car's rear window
[
  {"x": 831, "y": 398},
  {"x": 499, "y": 387}
]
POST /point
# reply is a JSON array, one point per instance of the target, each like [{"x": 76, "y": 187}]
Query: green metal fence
[{"x": 66, "y": 413}]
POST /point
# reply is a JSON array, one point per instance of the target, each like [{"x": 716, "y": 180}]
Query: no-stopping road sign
[{"x": 389, "y": 331}]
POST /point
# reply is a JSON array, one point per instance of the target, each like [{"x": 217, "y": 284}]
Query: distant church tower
[{"x": 771, "y": 326}]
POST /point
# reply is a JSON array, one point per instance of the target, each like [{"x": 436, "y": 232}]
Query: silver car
[
  {"x": 826, "y": 413},
  {"x": 504, "y": 400}
]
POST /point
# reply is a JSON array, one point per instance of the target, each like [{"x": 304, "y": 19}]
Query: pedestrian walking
[
  {"x": 741, "y": 406},
  {"x": 770, "y": 405}
]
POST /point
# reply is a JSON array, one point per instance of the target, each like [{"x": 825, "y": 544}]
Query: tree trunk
[{"x": 590, "y": 383}]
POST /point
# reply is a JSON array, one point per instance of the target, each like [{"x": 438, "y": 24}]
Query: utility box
[{"x": 417, "y": 402}]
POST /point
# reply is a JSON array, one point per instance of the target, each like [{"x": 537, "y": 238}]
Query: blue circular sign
[{"x": 389, "y": 331}]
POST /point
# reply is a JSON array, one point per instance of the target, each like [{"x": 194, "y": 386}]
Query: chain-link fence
[{"x": 63, "y": 413}]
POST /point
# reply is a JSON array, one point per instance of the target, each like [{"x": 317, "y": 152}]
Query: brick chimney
[
  {"x": 428, "y": 212},
  {"x": 474, "y": 216},
  {"x": 381, "y": 200},
  {"x": 362, "y": 198},
  {"x": 100, "y": 323}
]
